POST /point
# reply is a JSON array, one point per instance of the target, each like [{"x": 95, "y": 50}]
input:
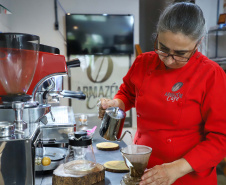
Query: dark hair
[{"x": 183, "y": 17}]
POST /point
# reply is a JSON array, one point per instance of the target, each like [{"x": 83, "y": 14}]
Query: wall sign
[{"x": 101, "y": 78}]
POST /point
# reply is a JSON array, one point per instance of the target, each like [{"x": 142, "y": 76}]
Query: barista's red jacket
[{"x": 181, "y": 113}]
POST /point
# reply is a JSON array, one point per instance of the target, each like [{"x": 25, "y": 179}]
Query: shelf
[
  {"x": 220, "y": 61},
  {"x": 221, "y": 27}
]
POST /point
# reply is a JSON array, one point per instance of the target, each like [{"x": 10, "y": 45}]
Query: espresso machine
[
  {"x": 27, "y": 73},
  {"x": 48, "y": 82},
  {"x": 18, "y": 138}
]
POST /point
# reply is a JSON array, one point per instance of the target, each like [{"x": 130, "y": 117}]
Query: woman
[{"x": 179, "y": 95}]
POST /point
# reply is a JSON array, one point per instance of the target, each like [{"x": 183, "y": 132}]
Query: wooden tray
[{"x": 60, "y": 178}]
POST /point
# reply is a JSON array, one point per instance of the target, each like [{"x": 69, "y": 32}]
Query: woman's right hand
[{"x": 104, "y": 103}]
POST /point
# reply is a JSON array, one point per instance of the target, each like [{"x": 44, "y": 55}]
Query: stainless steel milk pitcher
[{"x": 112, "y": 124}]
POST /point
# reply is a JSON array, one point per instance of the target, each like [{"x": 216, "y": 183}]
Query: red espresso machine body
[{"x": 49, "y": 64}]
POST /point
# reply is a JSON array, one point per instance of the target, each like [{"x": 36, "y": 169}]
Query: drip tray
[{"x": 56, "y": 155}]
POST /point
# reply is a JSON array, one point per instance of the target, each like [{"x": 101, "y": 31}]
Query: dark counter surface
[
  {"x": 101, "y": 157},
  {"x": 111, "y": 178}
]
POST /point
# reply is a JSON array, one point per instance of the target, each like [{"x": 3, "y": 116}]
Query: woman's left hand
[
  {"x": 166, "y": 174},
  {"x": 160, "y": 174}
]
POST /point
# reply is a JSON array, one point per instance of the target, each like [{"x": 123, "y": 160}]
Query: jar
[
  {"x": 80, "y": 158},
  {"x": 83, "y": 123}
]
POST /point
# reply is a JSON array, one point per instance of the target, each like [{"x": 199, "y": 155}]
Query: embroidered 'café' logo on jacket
[
  {"x": 177, "y": 86},
  {"x": 172, "y": 96}
]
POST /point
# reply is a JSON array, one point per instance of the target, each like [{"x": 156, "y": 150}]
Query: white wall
[
  {"x": 4, "y": 18},
  {"x": 209, "y": 8},
  {"x": 37, "y": 17}
]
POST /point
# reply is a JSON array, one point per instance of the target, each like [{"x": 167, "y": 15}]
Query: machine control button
[
  {"x": 46, "y": 161},
  {"x": 38, "y": 161}
]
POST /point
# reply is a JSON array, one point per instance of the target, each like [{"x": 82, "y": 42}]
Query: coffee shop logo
[
  {"x": 177, "y": 86},
  {"x": 101, "y": 73},
  {"x": 174, "y": 96},
  {"x": 98, "y": 73}
]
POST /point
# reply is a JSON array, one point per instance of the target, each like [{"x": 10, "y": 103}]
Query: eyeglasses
[{"x": 175, "y": 57}]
